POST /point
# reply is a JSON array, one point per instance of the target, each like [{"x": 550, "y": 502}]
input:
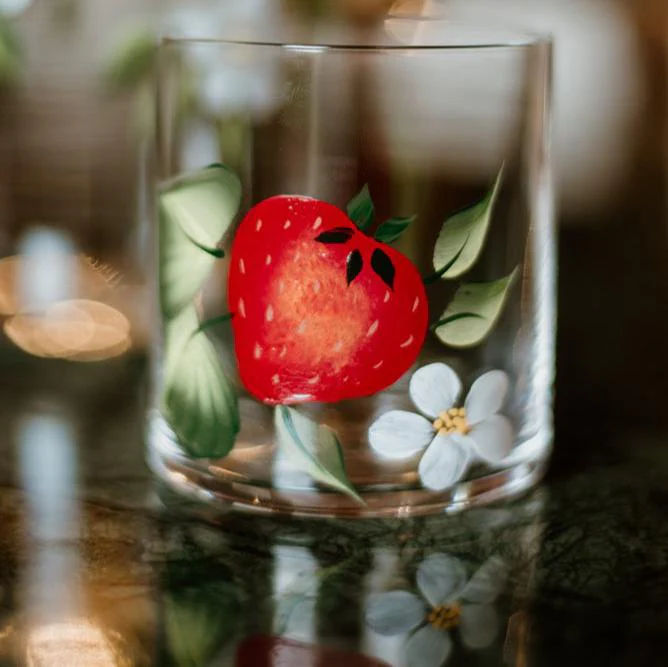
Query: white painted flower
[
  {"x": 446, "y": 602},
  {"x": 454, "y": 437}
]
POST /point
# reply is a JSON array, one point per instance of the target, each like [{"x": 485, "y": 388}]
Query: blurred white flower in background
[
  {"x": 249, "y": 79},
  {"x": 48, "y": 271},
  {"x": 14, "y": 7},
  {"x": 598, "y": 94},
  {"x": 467, "y": 105},
  {"x": 598, "y": 89}
]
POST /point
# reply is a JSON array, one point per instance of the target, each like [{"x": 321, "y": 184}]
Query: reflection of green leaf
[
  {"x": 305, "y": 591},
  {"x": 291, "y": 603},
  {"x": 360, "y": 208},
  {"x": 473, "y": 312},
  {"x": 465, "y": 233},
  {"x": 392, "y": 229},
  {"x": 199, "y": 620},
  {"x": 312, "y": 448},
  {"x": 133, "y": 60},
  {"x": 199, "y": 402},
  {"x": 195, "y": 212}
]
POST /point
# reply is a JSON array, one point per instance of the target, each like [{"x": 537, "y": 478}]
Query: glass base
[{"x": 225, "y": 486}]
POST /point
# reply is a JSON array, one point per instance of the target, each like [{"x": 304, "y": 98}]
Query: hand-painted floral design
[
  {"x": 324, "y": 309},
  {"x": 447, "y": 602},
  {"x": 454, "y": 437}
]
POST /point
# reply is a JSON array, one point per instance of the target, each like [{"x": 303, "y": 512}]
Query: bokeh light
[
  {"x": 76, "y": 329},
  {"x": 89, "y": 278},
  {"x": 56, "y": 300},
  {"x": 75, "y": 643}
]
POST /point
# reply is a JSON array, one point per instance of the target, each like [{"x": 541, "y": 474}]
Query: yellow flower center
[
  {"x": 445, "y": 616},
  {"x": 452, "y": 421}
]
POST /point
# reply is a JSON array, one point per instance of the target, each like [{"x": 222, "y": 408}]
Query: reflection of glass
[
  {"x": 60, "y": 632},
  {"x": 364, "y": 346},
  {"x": 361, "y": 593},
  {"x": 49, "y": 471},
  {"x": 295, "y": 590}
]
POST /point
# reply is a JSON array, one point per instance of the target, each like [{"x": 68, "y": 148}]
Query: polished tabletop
[{"x": 99, "y": 565}]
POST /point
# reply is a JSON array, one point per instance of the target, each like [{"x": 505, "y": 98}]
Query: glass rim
[{"x": 499, "y": 36}]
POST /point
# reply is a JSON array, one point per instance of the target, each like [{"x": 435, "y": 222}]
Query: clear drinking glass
[{"x": 356, "y": 270}]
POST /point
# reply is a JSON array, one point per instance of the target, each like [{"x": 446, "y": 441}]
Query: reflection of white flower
[
  {"x": 447, "y": 602},
  {"x": 454, "y": 436}
]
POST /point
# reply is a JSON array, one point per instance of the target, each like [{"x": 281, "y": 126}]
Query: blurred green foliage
[
  {"x": 10, "y": 53},
  {"x": 133, "y": 60}
]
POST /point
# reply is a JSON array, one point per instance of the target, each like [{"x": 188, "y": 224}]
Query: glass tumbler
[{"x": 355, "y": 262}]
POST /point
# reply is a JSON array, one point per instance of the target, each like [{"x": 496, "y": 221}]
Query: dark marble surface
[{"x": 100, "y": 566}]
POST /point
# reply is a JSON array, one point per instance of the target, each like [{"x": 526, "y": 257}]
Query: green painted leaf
[
  {"x": 178, "y": 332},
  {"x": 203, "y": 203},
  {"x": 199, "y": 402},
  {"x": 473, "y": 312},
  {"x": 360, "y": 208},
  {"x": 392, "y": 229},
  {"x": 195, "y": 211},
  {"x": 183, "y": 267},
  {"x": 312, "y": 448},
  {"x": 432, "y": 278},
  {"x": 464, "y": 233}
]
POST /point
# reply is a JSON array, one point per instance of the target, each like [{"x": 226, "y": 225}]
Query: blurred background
[
  {"x": 76, "y": 121},
  {"x": 76, "y": 128}
]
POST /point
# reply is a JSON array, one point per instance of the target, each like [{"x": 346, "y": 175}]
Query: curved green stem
[
  {"x": 452, "y": 318},
  {"x": 218, "y": 253},
  {"x": 214, "y": 321},
  {"x": 433, "y": 277}
]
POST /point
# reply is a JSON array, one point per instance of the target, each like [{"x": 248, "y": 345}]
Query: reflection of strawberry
[
  {"x": 322, "y": 311},
  {"x": 267, "y": 651}
]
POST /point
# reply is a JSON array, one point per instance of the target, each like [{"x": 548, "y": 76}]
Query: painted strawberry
[{"x": 322, "y": 311}]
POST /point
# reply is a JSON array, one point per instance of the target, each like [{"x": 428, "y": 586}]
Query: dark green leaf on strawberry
[
  {"x": 336, "y": 235},
  {"x": 360, "y": 209},
  {"x": 383, "y": 267},
  {"x": 354, "y": 265}
]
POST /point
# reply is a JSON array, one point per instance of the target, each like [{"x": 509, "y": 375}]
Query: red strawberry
[{"x": 322, "y": 311}]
